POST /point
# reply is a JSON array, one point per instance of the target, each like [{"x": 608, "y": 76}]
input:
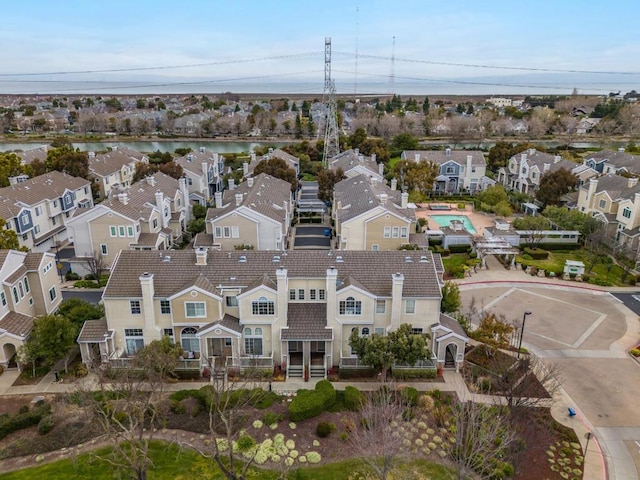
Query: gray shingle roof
[
  {"x": 104, "y": 164},
  {"x": 616, "y": 186},
  {"x": 617, "y": 159},
  {"x": 349, "y": 160},
  {"x": 442, "y": 156},
  {"x": 372, "y": 270},
  {"x": 307, "y": 321},
  {"x": 359, "y": 194},
  {"x": 452, "y": 324}
]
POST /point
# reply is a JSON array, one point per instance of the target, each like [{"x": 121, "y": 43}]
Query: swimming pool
[{"x": 444, "y": 221}]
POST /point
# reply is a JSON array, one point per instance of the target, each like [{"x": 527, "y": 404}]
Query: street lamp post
[{"x": 524, "y": 319}]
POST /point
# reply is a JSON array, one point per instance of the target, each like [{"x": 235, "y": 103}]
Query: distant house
[
  {"x": 114, "y": 169},
  {"x": 38, "y": 208},
  {"x": 608, "y": 161},
  {"x": 204, "y": 171},
  {"x": 30, "y": 287},
  {"x": 353, "y": 164},
  {"x": 459, "y": 169}
]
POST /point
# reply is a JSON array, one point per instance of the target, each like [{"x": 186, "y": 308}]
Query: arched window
[
  {"x": 16, "y": 298},
  {"x": 263, "y": 306},
  {"x": 253, "y": 343},
  {"x": 21, "y": 290},
  {"x": 365, "y": 332},
  {"x": 350, "y": 306},
  {"x": 188, "y": 340},
  {"x": 26, "y": 284}
]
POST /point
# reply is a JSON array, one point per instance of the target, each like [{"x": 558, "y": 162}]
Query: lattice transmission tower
[{"x": 331, "y": 143}]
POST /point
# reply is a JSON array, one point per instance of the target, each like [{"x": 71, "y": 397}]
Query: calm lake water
[{"x": 168, "y": 146}]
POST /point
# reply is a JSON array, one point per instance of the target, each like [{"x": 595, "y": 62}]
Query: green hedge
[
  {"x": 459, "y": 248},
  {"x": 559, "y": 246},
  {"x": 13, "y": 423},
  {"x": 311, "y": 403},
  {"x": 536, "y": 253},
  {"x": 409, "y": 373},
  {"x": 353, "y": 398},
  {"x": 349, "y": 373}
]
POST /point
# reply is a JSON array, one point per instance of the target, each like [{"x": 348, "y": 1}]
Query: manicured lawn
[{"x": 171, "y": 463}]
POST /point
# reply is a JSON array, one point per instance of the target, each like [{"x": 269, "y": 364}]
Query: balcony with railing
[{"x": 251, "y": 361}]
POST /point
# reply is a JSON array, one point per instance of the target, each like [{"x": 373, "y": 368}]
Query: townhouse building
[
  {"x": 256, "y": 215},
  {"x": 353, "y": 163},
  {"x": 29, "y": 287},
  {"x": 114, "y": 169},
  {"x": 615, "y": 201},
  {"x": 150, "y": 215},
  {"x": 204, "y": 171},
  {"x": 262, "y": 309},
  {"x": 38, "y": 208},
  {"x": 458, "y": 169},
  {"x": 369, "y": 215},
  {"x": 525, "y": 170},
  {"x": 608, "y": 161}
]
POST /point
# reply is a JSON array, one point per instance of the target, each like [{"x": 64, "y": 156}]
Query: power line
[
  {"x": 472, "y": 65},
  {"x": 165, "y": 67}
]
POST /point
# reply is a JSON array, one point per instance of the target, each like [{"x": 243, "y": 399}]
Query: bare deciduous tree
[{"x": 96, "y": 264}]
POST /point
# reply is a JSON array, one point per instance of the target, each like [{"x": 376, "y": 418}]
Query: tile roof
[
  {"x": 266, "y": 196},
  {"x": 93, "y": 331},
  {"x": 360, "y": 194},
  {"x": 104, "y": 164},
  {"x": 452, "y": 324},
  {"x": 33, "y": 260},
  {"x": 373, "y": 270},
  {"x": 306, "y": 321},
  {"x": 539, "y": 159},
  {"x": 617, "y": 187},
  {"x": 443, "y": 156},
  {"x": 17, "y": 324},
  {"x": 617, "y": 159},
  {"x": 193, "y": 161},
  {"x": 203, "y": 240},
  {"x": 228, "y": 321},
  {"x": 20, "y": 272}
]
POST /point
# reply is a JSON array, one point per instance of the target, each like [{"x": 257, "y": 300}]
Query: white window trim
[
  {"x": 407, "y": 302},
  {"x": 204, "y": 304}
]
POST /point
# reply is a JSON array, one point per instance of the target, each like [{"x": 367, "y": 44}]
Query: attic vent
[
  {"x": 423, "y": 259},
  {"x": 276, "y": 258},
  {"x": 242, "y": 259},
  {"x": 408, "y": 260},
  {"x": 166, "y": 259}
]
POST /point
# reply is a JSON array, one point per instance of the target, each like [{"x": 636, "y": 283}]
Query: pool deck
[{"x": 479, "y": 220}]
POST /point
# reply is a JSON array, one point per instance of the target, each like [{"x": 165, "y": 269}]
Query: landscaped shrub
[
  {"x": 410, "y": 396},
  {"x": 353, "y": 398},
  {"x": 536, "y": 253},
  {"x": 86, "y": 284},
  {"x": 46, "y": 424},
  {"x": 348, "y": 373},
  {"x": 635, "y": 352},
  {"x": 409, "y": 373},
  {"x": 311, "y": 403},
  {"x": 13, "y": 423},
  {"x": 324, "y": 429},
  {"x": 71, "y": 276},
  {"x": 270, "y": 418},
  {"x": 459, "y": 248}
]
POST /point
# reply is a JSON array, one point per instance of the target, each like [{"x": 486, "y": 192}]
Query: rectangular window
[
  {"x": 26, "y": 285},
  {"x": 3, "y": 299},
  {"x": 134, "y": 340},
  {"x": 380, "y": 331},
  {"x": 321, "y": 294},
  {"x": 603, "y": 204},
  {"x": 52, "y": 293},
  {"x": 387, "y": 232},
  {"x": 262, "y": 306},
  {"x": 404, "y": 232},
  {"x": 168, "y": 332},
  {"x": 129, "y": 231},
  {"x": 195, "y": 309},
  {"x": 301, "y": 294},
  {"x": 410, "y": 306},
  {"x": 253, "y": 346},
  {"x": 396, "y": 231},
  {"x": 626, "y": 213},
  {"x": 121, "y": 231},
  {"x": 226, "y": 232},
  {"x": 375, "y": 247},
  {"x": 113, "y": 231},
  {"x": 38, "y": 211},
  {"x": 135, "y": 307},
  {"x": 381, "y": 306},
  {"x": 103, "y": 249},
  {"x": 231, "y": 301},
  {"x": 218, "y": 233},
  {"x": 47, "y": 267},
  {"x": 55, "y": 204},
  {"x": 292, "y": 294},
  {"x": 155, "y": 223},
  {"x": 54, "y": 220},
  {"x": 235, "y": 232},
  {"x": 312, "y": 294},
  {"x": 165, "y": 307},
  {"x": 416, "y": 331},
  {"x": 36, "y": 229}
]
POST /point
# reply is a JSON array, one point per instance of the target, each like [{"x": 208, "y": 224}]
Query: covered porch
[{"x": 448, "y": 343}]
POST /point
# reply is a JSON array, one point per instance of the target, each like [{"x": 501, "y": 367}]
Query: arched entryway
[
  {"x": 450, "y": 354},
  {"x": 9, "y": 351}
]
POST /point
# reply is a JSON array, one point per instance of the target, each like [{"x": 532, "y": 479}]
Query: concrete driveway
[{"x": 585, "y": 334}]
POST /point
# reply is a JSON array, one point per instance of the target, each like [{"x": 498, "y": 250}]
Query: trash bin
[{"x": 327, "y": 232}]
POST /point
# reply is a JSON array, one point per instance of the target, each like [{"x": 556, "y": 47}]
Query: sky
[{"x": 212, "y": 45}]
